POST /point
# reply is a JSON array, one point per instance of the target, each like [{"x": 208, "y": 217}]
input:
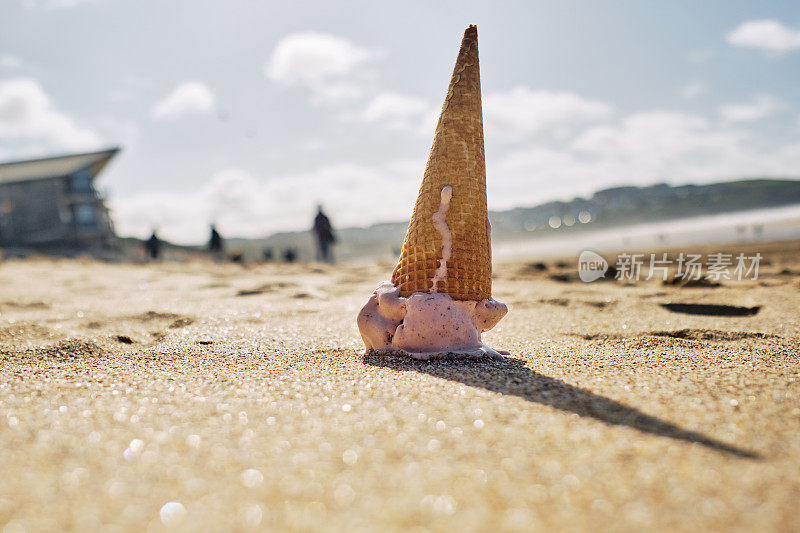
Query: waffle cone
[{"x": 457, "y": 160}]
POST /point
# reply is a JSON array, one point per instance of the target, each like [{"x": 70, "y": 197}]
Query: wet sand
[{"x": 214, "y": 397}]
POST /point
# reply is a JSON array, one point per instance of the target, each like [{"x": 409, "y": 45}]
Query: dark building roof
[{"x": 55, "y": 167}]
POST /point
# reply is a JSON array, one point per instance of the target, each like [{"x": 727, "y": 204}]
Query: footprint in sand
[
  {"x": 565, "y": 277},
  {"x": 597, "y": 336},
  {"x": 601, "y": 304},
  {"x": 562, "y": 302},
  {"x": 25, "y": 305},
  {"x": 175, "y": 321},
  {"x": 573, "y": 276},
  {"x": 532, "y": 268},
  {"x": 685, "y": 334},
  {"x": 711, "y": 335},
  {"x": 215, "y": 286},
  {"x": 702, "y": 283},
  {"x": 155, "y": 323},
  {"x": 267, "y": 287},
  {"x": 711, "y": 309},
  {"x": 181, "y": 322}
]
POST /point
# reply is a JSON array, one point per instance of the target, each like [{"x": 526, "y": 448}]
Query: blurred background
[{"x": 607, "y": 125}]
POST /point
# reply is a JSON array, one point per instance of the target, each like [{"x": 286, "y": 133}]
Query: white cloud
[
  {"x": 9, "y": 61},
  {"x": 329, "y": 65},
  {"x": 656, "y": 136},
  {"x": 399, "y": 111},
  {"x": 760, "y": 106},
  {"x": 311, "y": 57},
  {"x": 640, "y": 149},
  {"x": 766, "y": 34},
  {"x": 244, "y": 205},
  {"x": 190, "y": 97},
  {"x": 29, "y": 117},
  {"x": 336, "y": 92},
  {"x": 520, "y": 111},
  {"x": 694, "y": 89}
]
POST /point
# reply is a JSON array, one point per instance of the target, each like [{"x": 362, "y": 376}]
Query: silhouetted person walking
[
  {"x": 153, "y": 246},
  {"x": 215, "y": 242},
  {"x": 323, "y": 232}
]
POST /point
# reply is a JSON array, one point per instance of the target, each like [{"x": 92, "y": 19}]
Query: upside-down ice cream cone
[
  {"x": 439, "y": 300},
  {"x": 452, "y": 256}
]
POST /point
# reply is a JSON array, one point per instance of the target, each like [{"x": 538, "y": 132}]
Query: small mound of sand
[
  {"x": 65, "y": 350},
  {"x": 24, "y": 332},
  {"x": 155, "y": 315}
]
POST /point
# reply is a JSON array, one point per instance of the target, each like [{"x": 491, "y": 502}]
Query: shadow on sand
[{"x": 510, "y": 376}]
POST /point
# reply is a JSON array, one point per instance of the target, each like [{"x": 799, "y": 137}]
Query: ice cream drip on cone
[{"x": 439, "y": 299}]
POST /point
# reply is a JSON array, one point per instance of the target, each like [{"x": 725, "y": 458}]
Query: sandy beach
[{"x": 214, "y": 397}]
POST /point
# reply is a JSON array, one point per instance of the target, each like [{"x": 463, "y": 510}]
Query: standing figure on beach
[
  {"x": 323, "y": 232},
  {"x": 153, "y": 246},
  {"x": 215, "y": 242}
]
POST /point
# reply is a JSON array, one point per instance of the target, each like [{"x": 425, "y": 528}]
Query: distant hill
[{"x": 618, "y": 206}]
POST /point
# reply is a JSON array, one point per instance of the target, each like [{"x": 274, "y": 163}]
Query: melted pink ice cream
[
  {"x": 431, "y": 324},
  {"x": 440, "y": 223},
  {"x": 427, "y": 325}
]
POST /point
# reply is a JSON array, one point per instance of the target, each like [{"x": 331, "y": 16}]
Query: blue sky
[{"x": 248, "y": 113}]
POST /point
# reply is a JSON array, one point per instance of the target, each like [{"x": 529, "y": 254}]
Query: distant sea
[{"x": 782, "y": 223}]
